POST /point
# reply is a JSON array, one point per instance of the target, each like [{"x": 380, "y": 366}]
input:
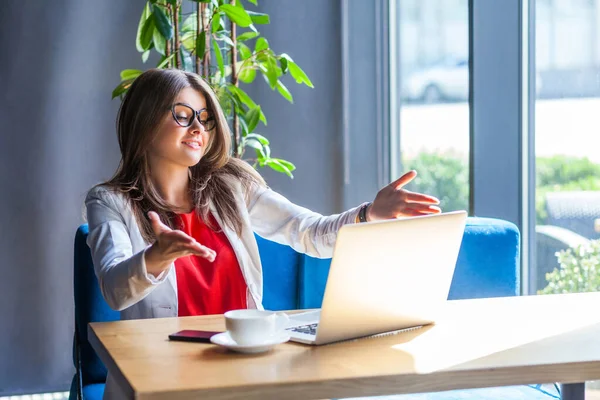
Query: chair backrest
[
  {"x": 576, "y": 211},
  {"x": 89, "y": 307},
  {"x": 281, "y": 271},
  {"x": 487, "y": 265}
]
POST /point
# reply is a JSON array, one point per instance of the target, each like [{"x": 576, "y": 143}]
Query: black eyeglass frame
[{"x": 196, "y": 116}]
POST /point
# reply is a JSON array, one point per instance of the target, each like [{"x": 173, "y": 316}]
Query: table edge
[{"x": 393, "y": 384}]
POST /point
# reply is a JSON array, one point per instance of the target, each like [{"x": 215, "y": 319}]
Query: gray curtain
[{"x": 60, "y": 60}]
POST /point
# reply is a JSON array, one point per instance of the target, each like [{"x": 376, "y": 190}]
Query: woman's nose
[{"x": 196, "y": 128}]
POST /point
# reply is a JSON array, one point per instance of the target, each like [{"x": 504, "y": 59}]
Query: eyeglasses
[{"x": 184, "y": 115}]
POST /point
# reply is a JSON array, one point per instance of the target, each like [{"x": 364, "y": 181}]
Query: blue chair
[
  {"x": 90, "y": 375},
  {"x": 488, "y": 266}
]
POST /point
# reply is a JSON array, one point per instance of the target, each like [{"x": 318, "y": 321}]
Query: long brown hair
[{"x": 141, "y": 111}]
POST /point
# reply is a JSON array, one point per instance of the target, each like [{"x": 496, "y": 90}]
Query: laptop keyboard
[{"x": 306, "y": 329}]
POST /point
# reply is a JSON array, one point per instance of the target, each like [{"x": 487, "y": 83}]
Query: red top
[{"x": 204, "y": 287}]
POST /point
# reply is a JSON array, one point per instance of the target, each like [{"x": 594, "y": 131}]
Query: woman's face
[{"x": 180, "y": 145}]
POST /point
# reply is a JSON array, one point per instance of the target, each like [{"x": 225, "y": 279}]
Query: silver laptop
[{"x": 385, "y": 276}]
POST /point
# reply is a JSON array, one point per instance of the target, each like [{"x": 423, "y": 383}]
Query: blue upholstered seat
[{"x": 488, "y": 266}]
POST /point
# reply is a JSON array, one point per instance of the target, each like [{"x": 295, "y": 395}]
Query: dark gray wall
[
  {"x": 60, "y": 61},
  {"x": 308, "y": 132}
]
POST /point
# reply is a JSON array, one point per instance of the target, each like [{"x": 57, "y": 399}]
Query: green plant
[
  {"x": 444, "y": 175},
  {"x": 579, "y": 270},
  {"x": 205, "y": 40},
  {"x": 560, "y": 170}
]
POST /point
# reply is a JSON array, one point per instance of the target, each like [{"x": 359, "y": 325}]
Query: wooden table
[{"x": 478, "y": 343}]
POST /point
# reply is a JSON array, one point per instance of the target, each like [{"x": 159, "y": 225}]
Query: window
[
  {"x": 566, "y": 151},
  {"x": 433, "y": 38}
]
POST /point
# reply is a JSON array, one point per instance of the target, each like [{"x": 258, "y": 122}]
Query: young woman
[{"x": 172, "y": 233}]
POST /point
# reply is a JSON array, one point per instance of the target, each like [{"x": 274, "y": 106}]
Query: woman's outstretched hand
[
  {"x": 170, "y": 245},
  {"x": 395, "y": 202}
]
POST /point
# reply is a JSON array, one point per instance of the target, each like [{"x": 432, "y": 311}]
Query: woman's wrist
[
  {"x": 363, "y": 213},
  {"x": 155, "y": 264},
  {"x": 368, "y": 215}
]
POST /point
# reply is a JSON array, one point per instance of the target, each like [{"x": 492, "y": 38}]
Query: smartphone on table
[{"x": 192, "y": 336}]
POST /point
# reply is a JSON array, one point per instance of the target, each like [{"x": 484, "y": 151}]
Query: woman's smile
[{"x": 193, "y": 144}]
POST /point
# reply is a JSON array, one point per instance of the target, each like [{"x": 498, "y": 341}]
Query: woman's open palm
[
  {"x": 173, "y": 244},
  {"x": 393, "y": 201}
]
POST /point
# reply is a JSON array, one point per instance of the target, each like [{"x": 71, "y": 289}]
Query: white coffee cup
[{"x": 248, "y": 327}]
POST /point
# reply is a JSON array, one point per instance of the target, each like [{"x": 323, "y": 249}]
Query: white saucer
[{"x": 225, "y": 340}]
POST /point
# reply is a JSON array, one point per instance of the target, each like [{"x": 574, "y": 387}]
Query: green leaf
[
  {"x": 121, "y": 88},
  {"x": 263, "y": 55},
  {"x": 271, "y": 70},
  {"x": 278, "y": 166},
  {"x": 130, "y": 74},
  {"x": 255, "y": 144},
  {"x": 226, "y": 39},
  {"x": 163, "y": 23},
  {"x": 299, "y": 74},
  {"x": 285, "y": 163},
  {"x": 145, "y": 56},
  {"x": 164, "y": 62},
  {"x": 283, "y": 64},
  {"x": 261, "y": 157},
  {"x": 188, "y": 40},
  {"x": 247, "y": 36},
  {"x": 160, "y": 44},
  {"x": 147, "y": 33},
  {"x": 201, "y": 44},
  {"x": 263, "y": 118},
  {"x": 242, "y": 121},
  {"x": 244, "y": 50},
  {"x": 191, "y": 23},
  {"x": 186, "y": 60},
  {"x": 243, "y": 96},
  {"x": 261, "y": 44},
  {"x": 273, "y": 65},
  {"x": 253, "y": 2},
  {"x": 237, "y": 15},
  {"x": 252, "y": 118},
  {"x": 216, "y": 23},
  {"x": 219, "y": 57},
  {"x": 138, "y": 38},
  {"x": 259, "y": 18},
  {"x": 224, "y": 98},
  {"x": 263, "y": 140},
  {"x": 284, "y": 91},
  {"x": 247, "y": 75}
]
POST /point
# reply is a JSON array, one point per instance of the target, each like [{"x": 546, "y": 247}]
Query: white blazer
[{"x": 117, "y": 246}]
